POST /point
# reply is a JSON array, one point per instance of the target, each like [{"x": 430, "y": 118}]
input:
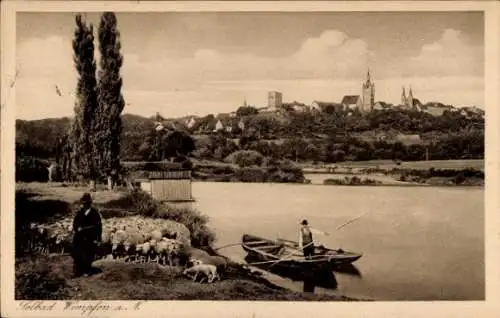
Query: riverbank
[
  {"x": 395, "y": 176},
  {"x": 49, "y": 276}
]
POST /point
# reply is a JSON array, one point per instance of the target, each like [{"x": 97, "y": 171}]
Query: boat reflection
[
  {"x": 318, "y": 276},
  {"x": 348, "y": 269}
]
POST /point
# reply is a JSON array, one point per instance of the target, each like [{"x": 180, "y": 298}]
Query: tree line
[{"x": 303, "y": 137}]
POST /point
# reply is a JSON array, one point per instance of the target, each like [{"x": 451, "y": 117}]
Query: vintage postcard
[{"x": 250, "y": 159}]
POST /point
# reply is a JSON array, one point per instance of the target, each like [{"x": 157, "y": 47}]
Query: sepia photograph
[{"x": 279, "y": 155}]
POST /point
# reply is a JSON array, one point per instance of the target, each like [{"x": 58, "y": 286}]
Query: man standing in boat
[{"x": 306, "y": 241}]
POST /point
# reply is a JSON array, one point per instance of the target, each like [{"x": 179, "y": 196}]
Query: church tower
[
  {"x": 403, "y": 97},
  {"x": 410, "y": 99},
  {"x": 368, "y": 94}
]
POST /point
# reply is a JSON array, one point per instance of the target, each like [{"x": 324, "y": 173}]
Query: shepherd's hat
[{"x": 86, "y": 198}]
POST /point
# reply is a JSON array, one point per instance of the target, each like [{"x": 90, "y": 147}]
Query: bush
[
  {"x": 142, "y": 203},
  {"x": 351, "y": 181},
  {"x": 36, "y": 280},
  {"x": 245, "y": 158},
  {"x": 29, "y": 169},
  {"x": 251, "y": 175}
]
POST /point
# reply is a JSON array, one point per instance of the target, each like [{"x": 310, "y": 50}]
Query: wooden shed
[{"x": 168, "y": 186}]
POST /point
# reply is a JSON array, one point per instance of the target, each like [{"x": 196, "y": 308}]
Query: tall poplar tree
[
  {"x": 86, "y": 101},
  {"x": 110, "y": 98}
]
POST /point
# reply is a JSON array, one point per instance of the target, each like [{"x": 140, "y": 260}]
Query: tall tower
[
  {"x": 410, "y": 99},
  {"x": 274, "y": 100},
  {"x": 368, "y": 94},
  {"x": 403, "y": 97}
]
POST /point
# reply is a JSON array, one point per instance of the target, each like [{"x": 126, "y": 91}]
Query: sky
[{"x": 180, "y": 63}]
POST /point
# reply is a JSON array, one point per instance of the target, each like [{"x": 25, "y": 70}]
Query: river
[{"x": 418, "y": 243}]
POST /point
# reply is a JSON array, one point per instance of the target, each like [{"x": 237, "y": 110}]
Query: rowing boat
[{"x": 287, "y": 253}]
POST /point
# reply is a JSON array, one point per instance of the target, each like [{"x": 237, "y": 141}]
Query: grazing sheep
[
  {"x": 218, "y": 261},
  {"x": 106, "y": 237},
  {"x": 118, "y": 250},
  {"x": 166, "y": 249},
  {"x": 153, "y": 256},
  {"x": 169, "y": 234},
  {"x": 31, "y": 236},
  {"x": 156, "y": 235},
  {"x": 130, "y": 251},
  {"x": 119, "y": 236},
  {"x": 59, "y": 243},
  {"x": 209, "y": 271},
  {"x": 162, "y": 253},
  {"x": 143, "y": 251},
  {"x": 41, "y": 238}
]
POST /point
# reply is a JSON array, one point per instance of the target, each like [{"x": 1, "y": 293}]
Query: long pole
[{"x": 352, "y": 220}]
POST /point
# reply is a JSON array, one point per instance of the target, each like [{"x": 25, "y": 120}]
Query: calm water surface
[{"x": 419, "y": 243}]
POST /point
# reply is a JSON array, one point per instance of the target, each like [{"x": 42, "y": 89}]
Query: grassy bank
[
  {"x": 280, "y": 171},
  {"x": 45, "y": 277},
  {"x": 49, "y": 276}
]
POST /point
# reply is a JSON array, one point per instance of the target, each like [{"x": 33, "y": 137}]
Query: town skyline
[{"x": 201, "y": 63}]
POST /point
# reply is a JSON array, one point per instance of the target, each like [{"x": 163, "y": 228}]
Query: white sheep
[
  {"x": 218, "y": 261},
  {"x": 164, "y": 249},
  {"x": 156, "y": 235},
  {"x": 209, "y": 271},
  {"x": 143, "y": 251},
  {"x": 130, "y": 251},
  {"x": 119, "y": 236}
]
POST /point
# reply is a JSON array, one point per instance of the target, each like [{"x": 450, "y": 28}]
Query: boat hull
[{"x": 266, "y": 250}]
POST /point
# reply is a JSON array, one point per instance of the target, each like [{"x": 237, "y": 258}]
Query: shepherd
[
  {"x": 87, "y": 228},
  {"x": 306, "y": 241}
]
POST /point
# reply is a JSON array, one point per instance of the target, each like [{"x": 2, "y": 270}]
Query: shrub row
[
  {"x": 351, "y": 181},
  {"x": 142, "y": 203}
]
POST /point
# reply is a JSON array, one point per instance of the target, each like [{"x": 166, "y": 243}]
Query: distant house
[
  {"x": 436, "y": 109},
  {"x": 296, "y": 106},
  {"x": 381, "y": 106},
  {"x": 352, "y": 102},
  {"x": 327, "y": 107},
  {"x": 219, "y": 126},
  {"x": 159, "y": 126},
  {"x": 417, "y": 104},
  {"x": 409, "y": 139},
  {"x": 165, "y": 125},
  {"x": 241, "y": 124},
  {"x": 474, "y": 111},
  {"x": 190, "y": 122}
]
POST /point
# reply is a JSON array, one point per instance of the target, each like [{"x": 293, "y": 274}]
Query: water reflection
[
  {"x": 348, "y": 269},
  {"x": 314, "y": 276}
]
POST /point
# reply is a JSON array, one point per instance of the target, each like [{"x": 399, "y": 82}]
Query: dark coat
[
  {"x": 91, "y": 226},
  {"x": 84, "y": 241}
]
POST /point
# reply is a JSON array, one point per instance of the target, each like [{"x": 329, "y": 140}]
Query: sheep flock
[{"x": 134, "y": 240}]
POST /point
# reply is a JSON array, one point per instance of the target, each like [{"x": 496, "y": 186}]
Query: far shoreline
[{"x": 402, "y": 185}]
